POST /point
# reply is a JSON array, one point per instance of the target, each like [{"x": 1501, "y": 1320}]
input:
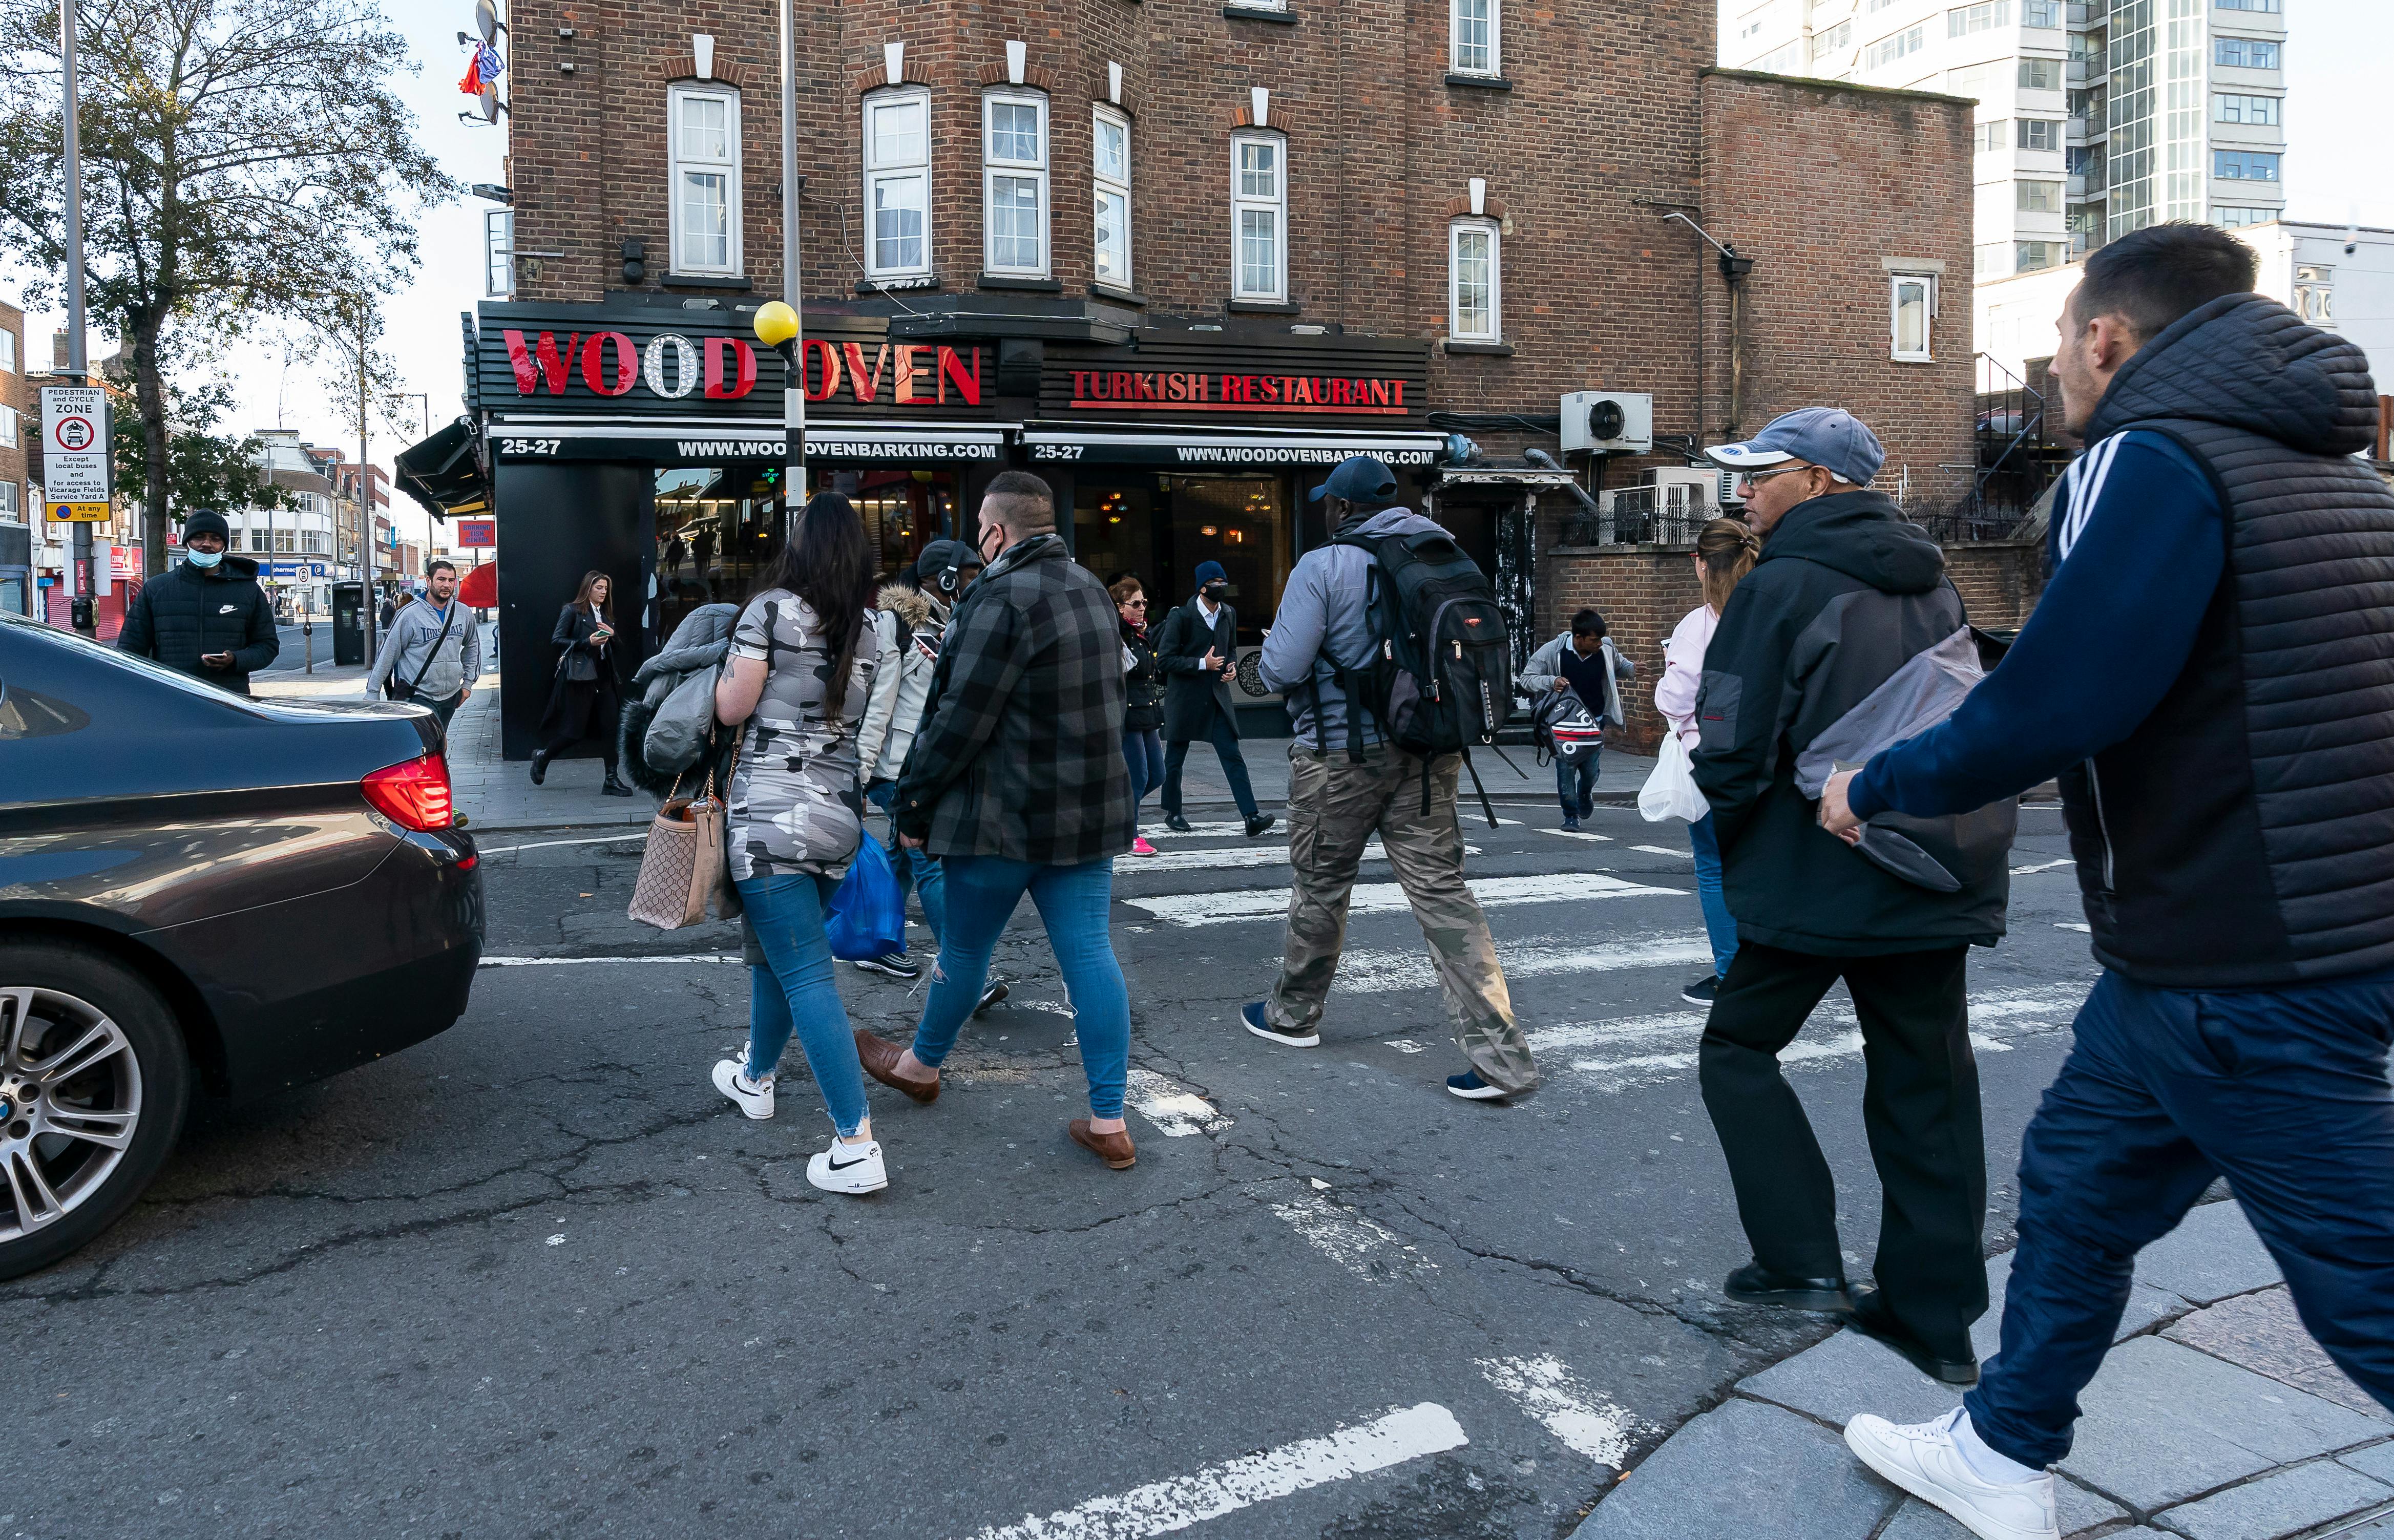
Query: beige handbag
[{"x": 686, "y": 862}]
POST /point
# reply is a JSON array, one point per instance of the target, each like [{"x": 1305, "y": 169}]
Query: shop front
[{"x": 644, "y": 442}]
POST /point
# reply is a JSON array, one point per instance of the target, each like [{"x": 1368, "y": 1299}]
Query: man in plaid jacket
[{"x": 1017, "y": 784}]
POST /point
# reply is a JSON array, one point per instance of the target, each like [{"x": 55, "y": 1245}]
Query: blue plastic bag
[{"x": 868, "y": 909}]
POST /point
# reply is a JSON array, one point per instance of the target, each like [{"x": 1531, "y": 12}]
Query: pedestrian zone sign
[
  {"x": 74, "y": 448},
  {"x": 78, "y": 513}
]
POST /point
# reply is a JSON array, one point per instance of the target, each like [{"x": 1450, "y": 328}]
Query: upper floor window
[
  {"x": 2040, "y": 13},
  {"x": 1259, "y": 217},
  {"x": 7, "y": 427},
  {"x": 7, "y": 352},
  {"x": 1894, "y": 45},
  {"x": 2249, "y": 5},
  {"x": 1911, "y": 304},
  {"x": 1109, "y": 164},
  {"x": 705, "y": 178},
  {"x": 2040, "y": 133},
  {"x": 1992, "y": 136},
  {"x": 1014, "y": 182},
  {"x": 897, "y": 184},
  {"x": 1835, "y": 40},
  {"x": 2240, "y": 109},
  {"x": 2233, "y": 219},
  {"x": 2244, "y": 53},
  {"x": 1474, "y": 283},
  {"x": 2038, "y": 197},
  {"x": 1471, "y": 24},
  {"x": 10, "y": 504},
  {"x": 2244, "y": 165},
  {"x": 498, "y": 253},
  {"x": 1984, "y": 16},
  {"x": 2040, "y": 74}
]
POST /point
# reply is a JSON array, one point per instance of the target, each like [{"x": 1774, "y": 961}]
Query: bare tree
[{"x": 244, "y": 165}]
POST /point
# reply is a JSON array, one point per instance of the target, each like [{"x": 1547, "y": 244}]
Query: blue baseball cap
[
  {"x": 1829, "y": 437},
  {"x": 1358, "y": 479}
]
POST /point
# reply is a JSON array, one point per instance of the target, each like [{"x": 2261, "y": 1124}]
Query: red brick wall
[
  {"x": 29, "y": 421},
  {"x": 1999, "y": 582}
]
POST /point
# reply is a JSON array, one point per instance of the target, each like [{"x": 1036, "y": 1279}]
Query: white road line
[
  {"x": 1159, "y": 1507},
  {"x": 1213, "y": 831},
  {"x": 1373, "y": 971},
  {"x": 1387, "y": 898},
  {"x": 2070, "y": 925},
  {"x": 1664, "y": 850},
  {"x": 1208, "y": 860},
  {"x": 2023, "y": 870},
  {"x": 1363, "y": 1247},
  {"x": 630, "y": 832},
  {"x": 1176, "y": 1110},
  {"x": 1546, "y": 1388},
  {"x": 1579, "y": 833},
  {"x": 561, "y": 962}
]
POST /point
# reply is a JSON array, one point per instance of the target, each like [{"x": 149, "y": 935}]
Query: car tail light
[{"x": 414, "y": 795}]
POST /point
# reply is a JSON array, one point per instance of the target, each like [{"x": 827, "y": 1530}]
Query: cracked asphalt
[{"x": 535, "y": 1278}]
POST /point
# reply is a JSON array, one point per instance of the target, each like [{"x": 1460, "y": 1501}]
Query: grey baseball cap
[{"x": 1825, "y": 435}]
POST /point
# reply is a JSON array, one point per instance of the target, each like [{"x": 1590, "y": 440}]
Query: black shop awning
[{"x": 443, "y": 474}]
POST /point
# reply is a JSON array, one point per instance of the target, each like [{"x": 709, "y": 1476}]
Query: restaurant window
[
  {"x": 1471, "y": 25},
  {"x": 1161, "y": 528},
  {"x": 1259, "y": 217},
  {"x": 1473, "y": 282},
  {"x": 897, "y": 184},
  {"x": 1014, "y": 183},
  {"x": 705, "y": 178},
  {"x": 1110, "y": 172}
]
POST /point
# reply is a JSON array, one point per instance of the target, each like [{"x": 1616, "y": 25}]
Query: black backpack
[{"x": 1440, "y": 678}]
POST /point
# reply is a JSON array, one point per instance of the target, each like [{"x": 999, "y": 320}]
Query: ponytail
[{"x": 1729, "y": 548}]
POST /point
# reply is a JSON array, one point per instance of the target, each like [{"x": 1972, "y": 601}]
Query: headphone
[{"x": 946, "y": 577}]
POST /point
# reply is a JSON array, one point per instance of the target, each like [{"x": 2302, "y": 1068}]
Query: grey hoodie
[{"x": 1321, "y": 621}]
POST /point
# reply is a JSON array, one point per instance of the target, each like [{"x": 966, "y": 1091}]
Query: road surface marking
[
  {"x": 1546, "y": 1388},
  {"x": 2023, "y": 870},
  {"x": 1175, "y": 1110},
  {"x": 1407, "y": 1044},
  {"x": 560, "y": 962},
  {"x": 1212, "y": 831},
  {"x": 1579, "y": 833},
  {"x": 1207, "y": 860},
  {"x": 1160, "y": 1508},
  {"x": 1387, "y": 898},
  {"x": 2073, "y": 924},
  {"x": 629, "y": 832},
  {"x": 1664, "y": 850},
  {"x": 1370, "y": 971},
  {"x": 1363, "y": 1247}
]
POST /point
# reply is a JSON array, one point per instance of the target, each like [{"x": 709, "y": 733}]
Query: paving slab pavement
[{"x": 2216, "y": 1418}]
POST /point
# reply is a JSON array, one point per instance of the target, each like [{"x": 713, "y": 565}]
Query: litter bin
[{"x": 349, "y": 631}]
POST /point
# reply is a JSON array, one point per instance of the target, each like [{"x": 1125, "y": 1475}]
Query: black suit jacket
[{"x": 1191, "y": 696}]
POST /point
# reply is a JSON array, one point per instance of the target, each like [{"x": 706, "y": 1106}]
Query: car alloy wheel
[{"x": 70, "y": 1105}]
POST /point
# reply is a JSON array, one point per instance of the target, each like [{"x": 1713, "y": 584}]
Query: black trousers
[
  {"x": 606, "y": 716},
  {"x": 1920, "y": 1110}
]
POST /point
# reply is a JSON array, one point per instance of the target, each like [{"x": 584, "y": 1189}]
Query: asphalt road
[{"x": 535, "y": 1277}]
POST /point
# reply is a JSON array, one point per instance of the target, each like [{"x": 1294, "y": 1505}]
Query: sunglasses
[{"x": 1135, "y": 604}]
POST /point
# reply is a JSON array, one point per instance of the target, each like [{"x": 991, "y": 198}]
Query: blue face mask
[{"x": 202, "y": 559}]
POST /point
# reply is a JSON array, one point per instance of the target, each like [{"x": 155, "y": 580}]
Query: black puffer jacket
[
  {"x": 186, "y": 612},
  {"x": 1143, "y": 686},
  {"x": 1846, "y": 592}
]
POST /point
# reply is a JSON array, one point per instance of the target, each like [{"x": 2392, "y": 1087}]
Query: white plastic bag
[{"x": 1671, "y": 791}]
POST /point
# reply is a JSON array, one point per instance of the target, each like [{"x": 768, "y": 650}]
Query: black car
[{"x": 200, "y": 892}]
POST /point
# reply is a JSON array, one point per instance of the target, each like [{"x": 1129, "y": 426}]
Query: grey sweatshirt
[
  {"x": 410, "y": 643},
  {"x": 1320, "y": 620}
]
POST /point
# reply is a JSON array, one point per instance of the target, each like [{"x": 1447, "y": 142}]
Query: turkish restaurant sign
[
  {"x": 1265, "y": 376},
  {"x": 1177, "y": 390}
]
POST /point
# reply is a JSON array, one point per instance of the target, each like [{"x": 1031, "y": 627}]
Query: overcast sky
[{"x": 2339, "y": 123}]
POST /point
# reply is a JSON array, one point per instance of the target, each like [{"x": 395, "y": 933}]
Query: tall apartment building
[{"x": 2093, "y": 119}]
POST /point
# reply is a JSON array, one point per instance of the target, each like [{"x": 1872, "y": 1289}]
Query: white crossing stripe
[
  {"x": 1546, "y": 1388},
  {"x": 1373, "y": 971},
  {"x": 561, "y": 962},
  {"x": 1209, "y": 860},
  {"x": 2068, "y": 924},
  {"x": 1664, "y": 850},
  {"x": 2024, "y": 871},
  {"x": 1214, "y": 831},
  {"x": 1159, "y": 1507},
  {"x": 1389, "y": 898},
  {"x": 1360, "y": 1245},
  {"x": 1176, "y": 1110},
  {"x": 1580, "y": 834},
  {"x": 630, "y": 832}
]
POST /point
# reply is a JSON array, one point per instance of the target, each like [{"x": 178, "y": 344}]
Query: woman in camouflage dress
[{"x": 796, "y": 817}]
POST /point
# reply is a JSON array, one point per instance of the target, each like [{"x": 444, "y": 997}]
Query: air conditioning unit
[
  {"x": 1704, "y": 485},
  {"x": 1608, "y": 422}
]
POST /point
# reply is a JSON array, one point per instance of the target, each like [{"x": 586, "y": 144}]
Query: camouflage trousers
[{"x": 1333, "y": 806}]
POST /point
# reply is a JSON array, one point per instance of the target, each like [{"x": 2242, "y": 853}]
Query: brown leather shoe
[
  {"x": 881, "y": 1062},
  {"x": 1116, "y": 1150}
]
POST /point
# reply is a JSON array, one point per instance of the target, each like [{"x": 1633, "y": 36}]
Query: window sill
[
  {"x": 1479, "y": 83},
  {"x": 1262, "y": 307},
  {"x": 703, "y": 280},
  {"x": 1008, "y": 281},
  {"x": 920, "y": 284},
  {"x": 1479, "y": 350},
  {"x": 1901, "y": 358},
  {"x": 1260, "y": 13},
  {"x": 1119, "y": 296}
]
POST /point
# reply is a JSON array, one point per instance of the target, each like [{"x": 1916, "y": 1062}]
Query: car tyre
[{"x": 95, "y": 1080}]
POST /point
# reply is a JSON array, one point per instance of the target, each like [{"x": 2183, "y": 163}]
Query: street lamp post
[
  {"x": 81, "y": 609},
  {"x": 793, "y": 388}
]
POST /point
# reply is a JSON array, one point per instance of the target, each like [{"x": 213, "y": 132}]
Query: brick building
[
  {"x": 18, "y": 424},
  {"x": 1180, "y": 258}
]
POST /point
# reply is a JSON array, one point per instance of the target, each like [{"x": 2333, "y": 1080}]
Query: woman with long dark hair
[
  {"x": 586, "y": 699},
  {"x": 1142, "y": 698},
  {"x": 804, "y": 656}
]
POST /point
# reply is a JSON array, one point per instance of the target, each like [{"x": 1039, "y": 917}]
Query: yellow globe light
[{"x": 776, "y": 324}]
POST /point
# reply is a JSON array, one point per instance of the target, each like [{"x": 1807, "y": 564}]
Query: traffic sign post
[{"x": 76, "y": 482}]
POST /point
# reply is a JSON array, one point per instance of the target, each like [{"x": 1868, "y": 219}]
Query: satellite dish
[
  {"x": 486, "y": 19},
  {"x": 489, "y": 98}
]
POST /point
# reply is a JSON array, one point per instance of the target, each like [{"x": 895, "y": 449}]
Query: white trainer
[
  {"x": 1923, "y": 1459},
  {"x": 852, "y": 1168},
  {"x": 755, "y": 1096}
]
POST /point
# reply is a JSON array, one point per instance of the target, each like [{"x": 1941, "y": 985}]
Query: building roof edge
[{"x": 1816, "y": 82}]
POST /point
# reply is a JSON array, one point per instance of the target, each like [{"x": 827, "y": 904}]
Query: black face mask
[{"x": 1215, "y": 591}]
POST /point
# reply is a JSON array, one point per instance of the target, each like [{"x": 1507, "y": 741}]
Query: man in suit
[{"x": 1199, "y": 651}]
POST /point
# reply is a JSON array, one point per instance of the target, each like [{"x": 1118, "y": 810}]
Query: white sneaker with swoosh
[
  {"x": 852, "y": 1168},
  {"x": 1924, "y": 1459}
]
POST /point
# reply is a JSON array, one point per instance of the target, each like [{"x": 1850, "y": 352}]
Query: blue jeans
[
  {"x": 1225, "y": 739},
  {"x": 2284, "y": 1092},
  {"x": 919, "y": 867},
  {"x": 786, "y": 909},
  {"x": 1718, "y": 927},
  {"x": 1575, "y": 779},
  {"x": 1143, "y": 752},
  {"x": 1074, "y": 901}
]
